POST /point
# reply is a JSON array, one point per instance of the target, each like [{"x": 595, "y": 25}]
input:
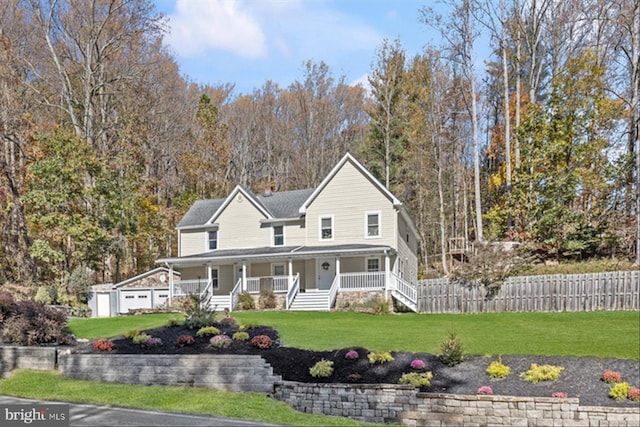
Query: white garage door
[
  {"x": 130, "y": 300},
  {"x": 103, "y": 305}
]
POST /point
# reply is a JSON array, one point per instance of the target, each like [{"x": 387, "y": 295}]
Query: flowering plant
[
  {"x": 417, "y": 364},
  {"x": 261, "y": 341},
  {"x": 559, "y": 394},
  {"x": 485, "y": 389},
  {"x": 634, "y": 394},
  {"x": 184, "y": 340},
  {"x": 103, "y": 345},
  {"x": 611, "y": 377},
  {"x": 351, "y": 355},
  {"x": 152, "y": 342},
  {"x": 220, "y": 341}
]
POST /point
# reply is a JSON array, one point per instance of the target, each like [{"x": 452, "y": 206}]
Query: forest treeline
[{"x": 106, "y": 144}]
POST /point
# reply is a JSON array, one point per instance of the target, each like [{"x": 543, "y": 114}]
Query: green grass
[
  {"x": 583, "y": 334},
  {"x": 115, "y": 326},
  {"x": 251, "y": 406}
]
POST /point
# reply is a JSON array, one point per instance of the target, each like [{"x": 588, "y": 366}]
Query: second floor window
[
  {"x": 278, "y": 235},
  {"x": 373, "y": 224},
  {"x": 212, "y": 240},
  {"x": 326, "y": 228}
]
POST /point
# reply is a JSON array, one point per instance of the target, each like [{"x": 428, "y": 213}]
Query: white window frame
[
  {"x": 366, "y": 264},
  {"x": 214, "y": 273},
  {"x": 278, "y": 264},
  {"x": 208, "y": 242},
  {"x": 273, "y": 235},
  {"x": 333, "y": 228},
  {"x": 366, "y": 224}
]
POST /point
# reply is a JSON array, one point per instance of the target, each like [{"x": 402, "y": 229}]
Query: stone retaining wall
[
  {"x": 14, "y": 357},
  {"x": 232, "y": 372},
  {"x": 404, "y": 405}
]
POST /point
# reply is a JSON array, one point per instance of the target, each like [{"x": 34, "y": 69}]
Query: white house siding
[
  {"x": 192, "y": 242},
  {"x": 347, "y": 197},
  {"x": 410, "y": 261},
  {"x": 240, "y": 226},
  {"x": 294, "y": 234}
]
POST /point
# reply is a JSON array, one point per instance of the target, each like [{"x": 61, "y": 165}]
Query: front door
[{"x": 326, "y": 272}]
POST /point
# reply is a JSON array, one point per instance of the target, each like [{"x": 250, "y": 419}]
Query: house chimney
[{"x": 267, "y": 189}]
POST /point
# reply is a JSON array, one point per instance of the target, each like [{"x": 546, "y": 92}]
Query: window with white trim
[
  {"x": 214, "y": 278},
  {"x": 278, "y": 235},
  {"x": 372, "y": 224},
  {"x": 373, "y": 265},
  {"x": 212, "y": 240},
  {"x": 326, "y": 228},
  {"x": 278, "y": 269}
]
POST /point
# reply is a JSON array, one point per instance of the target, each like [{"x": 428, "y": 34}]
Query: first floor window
[
  {"x": 278, "y": 270},
  {"x": 212, "y": 238},
  {"x": 278, "y": 235},
  {"x": 326, "y": 228},
  {"x": 373, "y": 265}
]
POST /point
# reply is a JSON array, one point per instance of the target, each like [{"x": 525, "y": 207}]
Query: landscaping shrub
[
  {"x": 240, "y": 336},
  {"x": 416, "y": 379},
  {"x": 220, "y": 341},
  {"x": 497, "y": 369},
  {"x": 485, "y": 389},
  {"x": 140, "y": 338},
  {"x": 261, "y": 341},
  {"x": 30, "y": 323},
  {"x": 46, "y": 295},
  {"x": 151, "y": 342},
  {"x": 634, "y": 394},
  {"x": 611, "y": 377},
  {"x": 208, "y": 331},
  {"x": 229, "y": 321},
  {"x": 185, "y": 340},
  {"x": 351, "y": 355},
  {"x": 103, "y": 345},
  {"x": 559, "y": 394},
  {"x": 175, "y": 322},
  {"x": 417, "y": 364},
  {"x": 199, "y": 313},
  {"x": 132, "y": 333},
  {"x": 7, "y": 306},
  {"x": 537, "y": 373},
  {"x": 354, "y": 378},
  {"x": 381, "y": 357},
  {"x": 267, "y": 299},
  {"x": 620, "y": 391},
  {"x": 246, "y": 302},
  {"x": 249, "y": 326},
  {"x": 322, "y": 369},
  {"x": 451, "y": 350}
]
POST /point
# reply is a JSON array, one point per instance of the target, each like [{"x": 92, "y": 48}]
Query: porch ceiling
[{"x": 227, "y": 256}]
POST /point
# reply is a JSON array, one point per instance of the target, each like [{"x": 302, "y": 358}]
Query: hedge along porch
[{"x": 348, "y": 234}]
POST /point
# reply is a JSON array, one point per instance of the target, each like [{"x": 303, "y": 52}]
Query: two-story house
[{"x": 349, "y": 235}]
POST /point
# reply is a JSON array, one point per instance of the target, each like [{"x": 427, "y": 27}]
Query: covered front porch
[{"x": 302, "y": 278}]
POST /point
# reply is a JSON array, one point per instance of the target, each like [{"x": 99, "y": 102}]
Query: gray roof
[{"x": 280, "y": 205}]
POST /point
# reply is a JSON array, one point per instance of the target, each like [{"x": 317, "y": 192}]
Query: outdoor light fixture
[{"x": 325, "y": 265}]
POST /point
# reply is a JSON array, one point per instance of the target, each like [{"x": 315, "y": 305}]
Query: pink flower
[
  {"x": 485, "y": 389},
  {"x": 559, "y": 394},
  {"x": 351, "y": 355},
  {"x": 417, "y": 364}
]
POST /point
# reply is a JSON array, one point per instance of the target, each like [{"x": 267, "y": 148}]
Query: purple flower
[
  {"x": 220, "y": 341},
  {"x": 152, "y": 342},
  {"x": 351, "y": 355},
  {"x": 485, "y": 389},
  {"x": 417, "y": 364}
]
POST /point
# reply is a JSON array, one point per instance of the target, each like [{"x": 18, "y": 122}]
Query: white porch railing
[
  {"x": 333, "y": 291},
  {"x": 291, "y": 294},
  {"x": 189, "y": 287},
  {"x": 405, "y": 292},
  {"x": 275, "y": 283},
  {"x": 362, "y": 281},
  {"x": 234, "y": 296}
]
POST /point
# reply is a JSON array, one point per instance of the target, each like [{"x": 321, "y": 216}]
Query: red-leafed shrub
[
  {"x": 261, "y": 341},
  {"x": 103, "y": 345},
  {"x": 611, "y": 377},
  {"x": 30, "y": 323},
  {"x": 185, "y": 340}
]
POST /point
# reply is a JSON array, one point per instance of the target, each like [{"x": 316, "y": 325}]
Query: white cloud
[{"x": 199, "y": 26}]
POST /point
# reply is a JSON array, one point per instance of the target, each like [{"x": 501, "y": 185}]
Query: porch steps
[
  {"x": 311, "y": 301},
  {"x": 220, "y": 302}
]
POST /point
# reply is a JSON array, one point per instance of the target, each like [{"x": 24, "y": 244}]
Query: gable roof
[{"x": 349, "y": 158}]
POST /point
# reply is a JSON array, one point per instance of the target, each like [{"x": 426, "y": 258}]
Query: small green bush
[
  {"x": 451, "y": 350},
  {"x": 537, "y": 373},
  {"x": 141, "y": 338},
  {"x": 322, "y": 369},
  {"x": 619, "y": 391},
  {"x": 380, "y": 358},
  {"x": 46, "y": 295},
  {"x": 199, "y": 313},
  {"x": 206, "y": 331},
  {"x": 175, "y": 321},
  {"x": 497, "y": 369},
  {"x": 132, "y": 333},
  {"x": 240, "y": 336},
  {"x": 249, "y": 326},
  {"x": 416, "y": 379},
  {"x": 245, "y": 301}
]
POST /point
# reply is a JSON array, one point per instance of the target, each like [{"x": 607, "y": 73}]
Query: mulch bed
[{"x": 580, "y": 377}]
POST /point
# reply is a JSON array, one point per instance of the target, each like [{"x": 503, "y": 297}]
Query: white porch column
[
  {"x": 338, "y": 270},
  {"x": 387, "y": 275},
  {"x": 244, "y": 276},
  {"x": 170, "y": 284},
  {"x": 290, "y": 283}
]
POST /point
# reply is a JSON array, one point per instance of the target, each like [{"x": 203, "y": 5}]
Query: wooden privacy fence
[{"x": 618, "y": 290}]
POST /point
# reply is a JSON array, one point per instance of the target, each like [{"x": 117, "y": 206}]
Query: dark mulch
[{"x": 580, "y": 377}]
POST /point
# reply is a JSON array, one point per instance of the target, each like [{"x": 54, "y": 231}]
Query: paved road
[{"x": 106, "y": 416}]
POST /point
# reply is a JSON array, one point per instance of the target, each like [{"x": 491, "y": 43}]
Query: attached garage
[{"x": 149, "y": 290}]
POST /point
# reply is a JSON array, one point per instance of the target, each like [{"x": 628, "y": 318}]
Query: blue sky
[{"x": 251, "y": 41}]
